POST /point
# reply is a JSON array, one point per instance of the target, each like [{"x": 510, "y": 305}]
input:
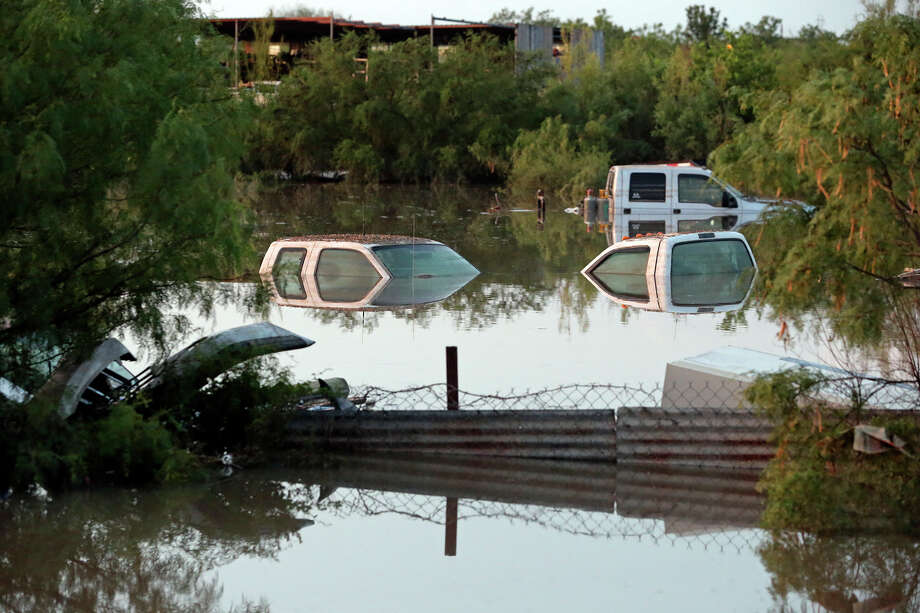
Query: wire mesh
[
  {"x": 666, "y": 529},
  {"x": 843, "y": 392},
  {"x": 671, "y": 509},
  {"x": 563, "y": 397}
]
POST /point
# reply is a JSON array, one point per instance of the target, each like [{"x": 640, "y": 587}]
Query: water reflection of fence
[{"x": 714, "y": 508}]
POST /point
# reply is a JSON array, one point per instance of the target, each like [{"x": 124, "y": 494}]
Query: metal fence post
[
  {"x": 450, "y": 528},
  {"x": 453, "y": 395}
]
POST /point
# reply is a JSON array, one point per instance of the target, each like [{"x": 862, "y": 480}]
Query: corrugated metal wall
[
  {"x": 589, "y": 435},
  {"x": 727, "y": 438},
  {"x": 715, "y": 438},
  {"x": 690, "y": 499},
  {"x": 534, "y": 38},
  {"x": 550, "y": 483}
]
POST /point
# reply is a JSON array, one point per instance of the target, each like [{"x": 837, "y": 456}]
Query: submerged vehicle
[
  {"x": 703, "y": 272},
  {"x": 362, "y": 272},
  {"x": 102, "y": 379},
  {"x": 667, "y": 198}
]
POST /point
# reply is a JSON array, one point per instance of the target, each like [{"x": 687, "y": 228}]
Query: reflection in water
[
  {"x": 591, "y": 499},
  {"x": 845, "y": 574},
  {"x": 141, "y": 551},
  {"x": 156, "y": 550},
  {"x": 709, "y": 508}
]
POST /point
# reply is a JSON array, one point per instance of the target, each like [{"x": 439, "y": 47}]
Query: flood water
[{"x": 402, "y": 534}]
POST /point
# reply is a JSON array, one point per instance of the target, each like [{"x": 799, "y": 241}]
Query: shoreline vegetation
[{"x": 125, "y": 151}]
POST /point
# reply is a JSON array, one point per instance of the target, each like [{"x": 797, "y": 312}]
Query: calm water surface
[{"x": 372, "y": 533}]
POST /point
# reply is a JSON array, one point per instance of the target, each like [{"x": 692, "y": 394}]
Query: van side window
[
  {"x": 698, "y": 188},
  {"x": 286, "y": 273},
  {"x": 646, "y": 187}
]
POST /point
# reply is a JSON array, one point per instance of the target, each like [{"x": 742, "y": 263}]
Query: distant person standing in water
[{"x": 541, "y": 206}]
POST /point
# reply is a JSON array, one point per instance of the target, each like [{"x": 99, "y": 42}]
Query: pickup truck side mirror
[{"x": 729, "y": 201}]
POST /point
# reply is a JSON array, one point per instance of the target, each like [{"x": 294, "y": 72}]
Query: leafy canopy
[
  {"x": 118, "y": 145},
  {"x": 844, "y": 141}
]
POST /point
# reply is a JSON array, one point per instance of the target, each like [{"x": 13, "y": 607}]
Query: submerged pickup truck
[
  {"x": 666, "y": 198},
  {"x": 696, "y": 272}
]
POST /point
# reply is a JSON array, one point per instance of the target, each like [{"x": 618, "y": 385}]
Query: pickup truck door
[
  {"x": 700, "y": 203},
  {"x": 641, "y": 203}
]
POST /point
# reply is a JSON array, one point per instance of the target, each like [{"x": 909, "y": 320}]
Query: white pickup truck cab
[
  {"x": 362, "y": 272},
  {"x": 679, "y": 197},
  {"x": 699, "y": 272}
]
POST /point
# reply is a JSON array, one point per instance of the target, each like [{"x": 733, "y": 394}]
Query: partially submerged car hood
[{"x": 212, "y": 355}]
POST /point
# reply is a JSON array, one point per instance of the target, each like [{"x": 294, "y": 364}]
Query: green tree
[
  {"x": 845, "y": 142},
  {"x": 769, "y": 29},
  {"x": 416, "y": 114},
  {"x": 703, "y": 25},
  {"x": 702, "y": 99},
  {"x": 302, "y": 10},
  {"x": 549, "y": 159},
  {"x": 118, "y": 145},
  {"x": 262, "y": 60},
  {"x": 529, "y": 16}
]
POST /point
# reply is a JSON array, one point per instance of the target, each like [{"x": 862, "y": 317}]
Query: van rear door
[{"x": 641, "y": 202}]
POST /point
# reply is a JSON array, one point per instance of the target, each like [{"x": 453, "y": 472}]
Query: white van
[
  {"x": 667, "y": 198},
  {"x": 705, "y": 272}
]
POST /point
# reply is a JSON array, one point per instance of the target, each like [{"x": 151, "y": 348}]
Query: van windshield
[{"x": 710, "y": 273}]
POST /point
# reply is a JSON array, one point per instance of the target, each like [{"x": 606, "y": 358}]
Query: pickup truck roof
[{"x": 361, "y": 239}]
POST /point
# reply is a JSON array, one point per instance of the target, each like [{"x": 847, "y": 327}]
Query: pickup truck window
[
  {"x": 422, "y": 260},
  {"x": 344, "y": 275},
  {"x": 719, "y": 222},
  {"x": 622, "y": 273},
  {"x": 698, "y": 188},
  {"x": 710, "y": 273},
  {"x": 646, "y": 187},
  {"x": 286, "y": 273}
]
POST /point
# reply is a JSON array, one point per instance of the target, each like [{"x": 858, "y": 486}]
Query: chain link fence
[
  {"x": 688, "y": 456},
  {"x": 563, "y": 397},
  {"x": 842, "y": 392},
  {"x": 668, "y": 528}
]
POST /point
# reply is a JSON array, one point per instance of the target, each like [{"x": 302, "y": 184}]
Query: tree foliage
[
  {"x": 703, "y": 91},
  {"x": 845, "y": 141},
  {"x": 413, "y": 115},
  {"x": 704, "y": 25},
  {"x": 118, "y": 146}
]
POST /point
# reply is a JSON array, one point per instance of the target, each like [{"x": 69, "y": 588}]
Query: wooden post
[
  {"x": 453, "y": 394},
  {"x": 331, "y": 26},
  {"x": 236, "y": 53},
  {"x": 450, "y": 528},
  {"x": 431, "y": 31}
]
